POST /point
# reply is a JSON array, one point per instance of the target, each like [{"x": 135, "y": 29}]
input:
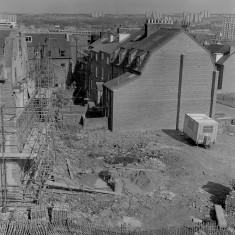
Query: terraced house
[
  {"x": 101, "y": 67},
  {"x": 58, "y": 48},
  {"x": 162, "y": 77}
]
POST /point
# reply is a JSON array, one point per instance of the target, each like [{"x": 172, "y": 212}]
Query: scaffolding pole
[{"x": 3, "y": 165}]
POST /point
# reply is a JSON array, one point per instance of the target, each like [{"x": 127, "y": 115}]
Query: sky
[{"x": 116, "y": 6}]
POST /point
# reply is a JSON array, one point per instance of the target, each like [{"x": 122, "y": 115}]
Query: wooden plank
[
  {"x": 179, "y": 90},
  {"x": 135, "y": 169},
  {"x": 69, "y": 169},
  {"x": 72, "y": 187},
  {"x": 220, "y": 216},
  {"x": 213, "y": 93}
]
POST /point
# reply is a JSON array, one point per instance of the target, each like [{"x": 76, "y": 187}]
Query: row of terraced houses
[{"x": 150, "y": 78}]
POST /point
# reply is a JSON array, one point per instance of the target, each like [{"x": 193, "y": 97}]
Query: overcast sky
[{"x": 112, "y": 6}]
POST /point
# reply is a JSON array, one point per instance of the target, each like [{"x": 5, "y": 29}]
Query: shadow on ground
[
  {"x": 179, "y": 136},
  {"x": 218, "y": 192}
]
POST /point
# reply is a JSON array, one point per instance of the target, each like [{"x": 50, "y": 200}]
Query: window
[
  {"x": 15, "y": 73},
  {"x": 49, "y": 53},
  {"x": 96, "y": 56},
  {"x": 107, "y": 60},
  {"x": 102, "y": 73},
  {"x": 102, "y": 55},
  {"x": 62, "y": 65},
  {"x": 96, "y": 71},
  {"x": 129, "y": 59},
  {"x": 91, "y": 54},
  {"x": 120, "y": 57},
  {"x": 37, "y": 54},
  {"x": 62, "y": 53},
  {"x": 208, "y": 129},
  {"x": 138, "y": 61},
  {"x": 28, "y": 38}
]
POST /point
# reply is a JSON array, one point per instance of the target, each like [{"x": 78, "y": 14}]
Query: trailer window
[{"x": 207, "y": 129}]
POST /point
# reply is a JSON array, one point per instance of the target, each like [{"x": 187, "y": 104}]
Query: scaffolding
[{"x": 26, "y": 134}]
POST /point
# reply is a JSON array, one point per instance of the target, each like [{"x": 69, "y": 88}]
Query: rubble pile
[
  {"x": 138, "y": 161},
  {"x": 98, "y": 161}
]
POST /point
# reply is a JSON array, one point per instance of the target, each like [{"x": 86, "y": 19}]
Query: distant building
[
  {"x": 57, "y": 47},
  {"x": 228, "y": 30},
  {"x": 100, "y": 57},
  {"x": 153, "y": 15},
  {"x": 7, "y": 21},
  {"x": 192, "y": 17},
  {"x": 97, "y": 14},
  {"x": 78, "y": 44},
  {"x": 205, "y": 14}
]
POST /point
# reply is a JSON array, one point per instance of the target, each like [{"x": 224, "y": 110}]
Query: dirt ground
[{"x": 181, "y": 180}]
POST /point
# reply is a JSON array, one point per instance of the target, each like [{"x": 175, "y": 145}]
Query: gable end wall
[{"x": 151, "y": 101}]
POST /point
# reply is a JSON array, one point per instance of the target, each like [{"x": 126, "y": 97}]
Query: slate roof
[
  {"x": 218, "y": 48},
  {"x": 102, "y": 46},
  {"x": 145, "y": 46},
  {"x": 121, "y": 81},
  {"x": 57, "y": 43},
  {"x": 108, "y": 47},
  {"x": 152, "y": 42},
  {"x": 224, "y": 58}
]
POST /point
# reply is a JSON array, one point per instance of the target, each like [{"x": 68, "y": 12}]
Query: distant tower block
[{"x": 228, "y": 30}]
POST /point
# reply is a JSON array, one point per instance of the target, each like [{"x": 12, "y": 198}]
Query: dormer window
[
  {"x": 138, "y": 62},
  {"x": 114, "y": 54},
  {"x": 129, "y": 59},
  {"x": 131, "y": 55},
  {"x": 121, "y": 55},
  {"x": 140, "y": 58}
]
